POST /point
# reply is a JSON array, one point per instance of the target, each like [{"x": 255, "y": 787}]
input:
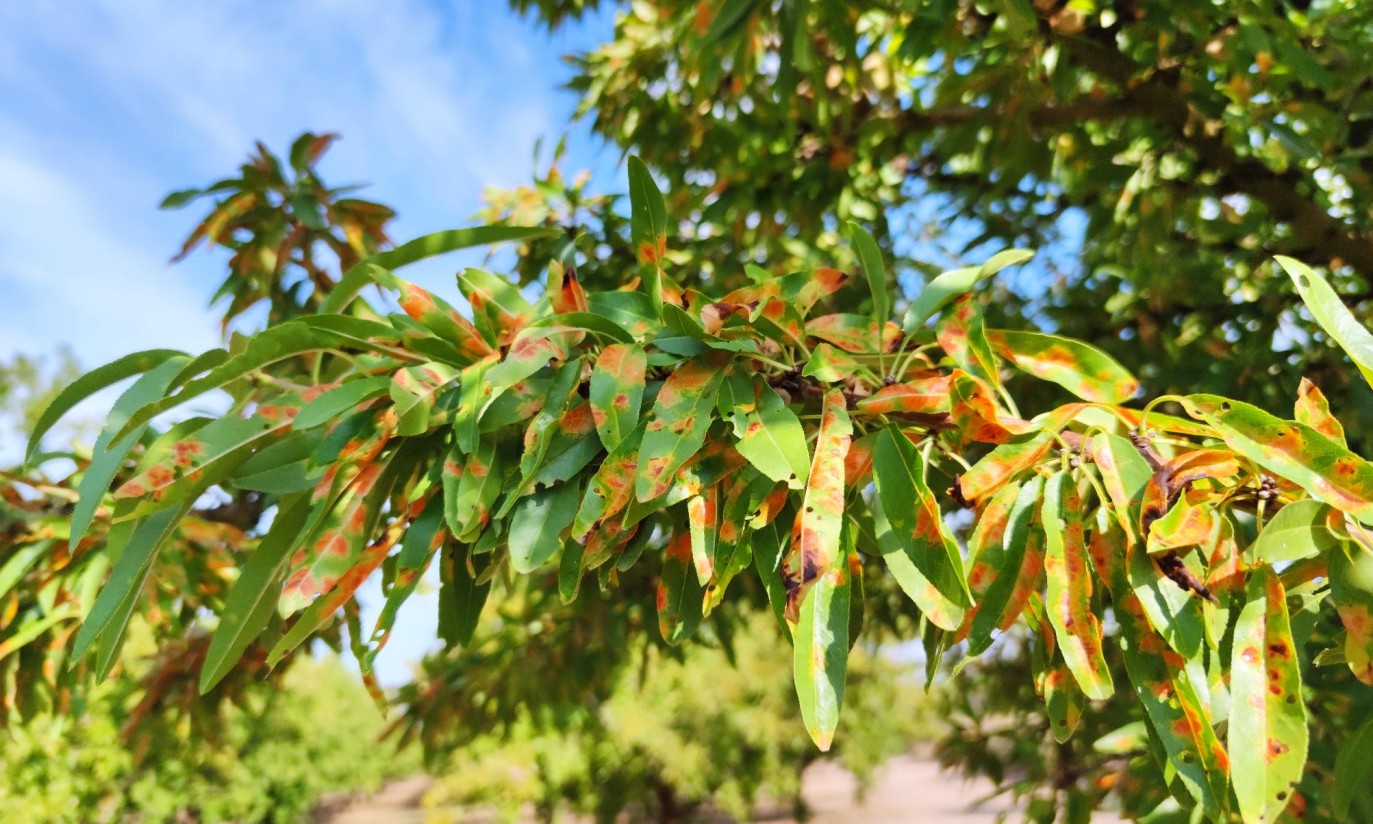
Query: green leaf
[
  {"x": 821, "y": 652},
  {"x": 335, "y": 402},
  {"x": 136, "y": 543},
  {"x": 253, "y": 600},
  {"x": 538, "y": 525},
  {"x": 19, "y": 562},
  {"x": 911, "y": 529},
  {"x": 730, "y": 16},
  {"x": 1084, "y": 370},
  {"x": 276, "y": 344},
  {"x": 1267, "y": 733},
  {"x": 90, "y": 383},
  {"x": 950, "y": 285},
  {"x": 829, "y": 364},
  {"x": 1293, "y": 451},
  {"x": 871, "y": 259},
  {"x": 422, "y": 541},
  {"x": 108, "y": 456},
  {"x": 1299, "y": 530},
  {"x": 1331, "y": 313},
  {"x": 1353, "y": 769},
  {"x": 412, "y": 394},
  {"x": 648, "y": 229},
  {"x": 426, "y": 246},
  {"x": 773, "y": 440},
  {"x": 498, "y": 309},
  {"x": 1068, "y": 598},
  {"x": 617, "y": 391}
]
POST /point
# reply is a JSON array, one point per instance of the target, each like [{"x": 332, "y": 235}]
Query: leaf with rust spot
[
  {"x": 1351, "y": 588},
  {"x": 815, "y": 535},
  {"x": 772, "y": 438},
  {"x": 1313, "y": 410},
  {"x": 1267, "y": 735},
  {"x": 1293, "y": 451},
  {"x": 679, "y": 592},
  {"x": 911, "y": 535},
  {"x": 1068, "y": 598},
  {"x": 821, "y": 652},
  {"x": 682, "y": 414},
  {"x": 617, "y": 391},
  {"x": 1084, "y": 370}
]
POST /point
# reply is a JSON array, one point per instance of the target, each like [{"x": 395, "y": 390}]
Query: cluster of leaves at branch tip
[{"x": 596, "y": 431}]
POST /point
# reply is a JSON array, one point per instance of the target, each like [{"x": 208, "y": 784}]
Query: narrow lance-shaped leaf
[
  {"x": 1068, "y": 599},
  {"x": 1082, "y": 369},
  {"x": 499, "y": 311},
  {"x": 1268, "y": 732},
  {"x": 910, "y": 528},
  {"x": 870, "y": 256},
  {"x": 137, "y": 546},
  {"x": 617, "y": 391},
  {"x": 986, "y": 559},
  {"x": 821, "y": 651},
  {"x": 253, "y": 599},
  {"x": 648, "y": 228},
  {"x": 703, "y": 524},
  {"x": 422, "y": 541},
  {"x": 107, "y": 456},
  {"x": 90, "y": 383},
  {"x": 815, "y": 535},
  {"x": 950, "y": 285},
  {"x": 425, "y": 246},
  {"x": 1293, "y": 451},
  {"x": 432, "y": 312},
  {"x": 1001, "y": 567},
  {"x": 1331, "y": 313}
]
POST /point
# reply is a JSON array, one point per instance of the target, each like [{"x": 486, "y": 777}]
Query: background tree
[{"x": 1161, "y": 153}]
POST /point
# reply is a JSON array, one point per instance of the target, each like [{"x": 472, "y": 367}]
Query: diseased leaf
[
  {"x": 1313, "y": 410},
  {"x": 679, "y": 592},
  {"x": 1068, "y": 599},
  {"x": 422, "y": 541},
  {"x": 648, "y": 229},
  {"x": 821, "y": 651},
  {"x": 1082, "y": 369},
  {"x": 499, "y": 311},
  {"x": 1267, "y": 734},
  {"x": 617, "y": 391},
  {"x": 920, "y": 396},
  {"x": 703, "y": 524},
  {"x": 815, "y": 534},
  {"x": 830, "y": 365},
  {"x": 334, "y": 402},
  {"x": 772, "y": 438},
  {"x": 1011, "y": 569},
  {"x": 910, "y": 528},
  {"x": 677, "y": 426},
  {"x": 108, "y": 456},
  {"x": 1293, "y": 451},
  {"x": 1351, "y": 588}
]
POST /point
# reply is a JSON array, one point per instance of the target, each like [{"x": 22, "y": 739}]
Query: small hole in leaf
[
  {"x": 1282, "y": 796},
  {"x": 1225, "y": 406},
  {"x": 1303, "y": 281}
]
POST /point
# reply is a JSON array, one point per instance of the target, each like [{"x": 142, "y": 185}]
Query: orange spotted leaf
[{"x": 815, "y": 535}]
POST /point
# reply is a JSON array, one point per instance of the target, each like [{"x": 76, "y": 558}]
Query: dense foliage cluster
[{"x": 759, "y": 435}]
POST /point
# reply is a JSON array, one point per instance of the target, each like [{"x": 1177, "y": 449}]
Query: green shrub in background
[
  {"x": 682, "y": 733},
  {"x": 279, "y": 753}
]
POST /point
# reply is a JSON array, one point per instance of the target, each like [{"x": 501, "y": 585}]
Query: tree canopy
[{"x": 737, "y": 388}]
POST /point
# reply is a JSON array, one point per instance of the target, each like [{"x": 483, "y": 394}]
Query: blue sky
[{"x": 110, "y": 105}]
